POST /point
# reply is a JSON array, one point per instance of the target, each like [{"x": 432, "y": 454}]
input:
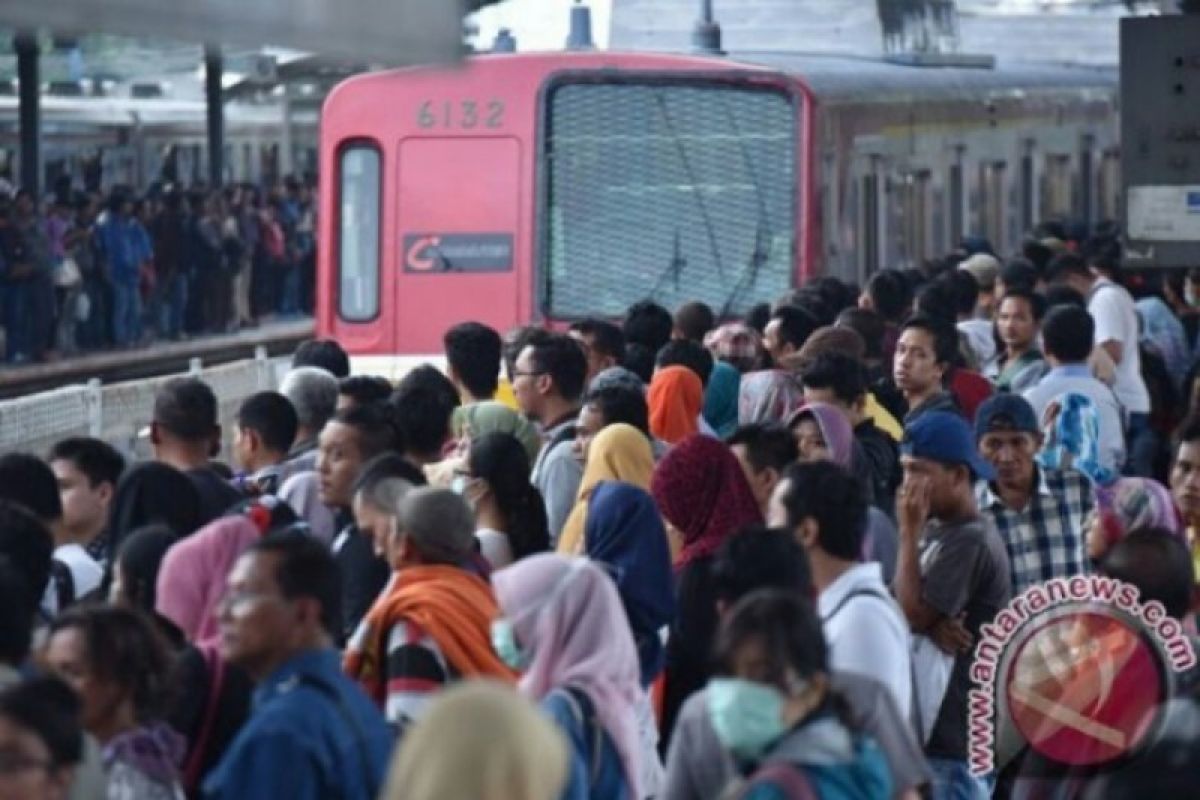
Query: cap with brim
[
  {"x": 983, "y": 268},
  {"x": 1005, "y": 412},
  {"x": 945, "y": 437}
]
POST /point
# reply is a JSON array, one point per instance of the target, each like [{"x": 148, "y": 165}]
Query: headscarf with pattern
[{"x": 701, "y": 490}]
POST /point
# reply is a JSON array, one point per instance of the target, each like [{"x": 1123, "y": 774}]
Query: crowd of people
[
  {"x": 675, "y": 557},
  {"x": 84, "y": 272}
]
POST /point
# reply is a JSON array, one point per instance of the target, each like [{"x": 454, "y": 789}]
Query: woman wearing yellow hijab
[{"x": 619, "y": 452}]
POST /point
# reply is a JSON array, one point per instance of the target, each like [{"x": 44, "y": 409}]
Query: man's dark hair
[
  {"x": 561, "y": 357},
  {"x": 639, "y": 360},
  {"x": 890, "y": 293},
  {"x": 769, "y": 445},
  {"x": 1036, "y": 253},
  {"x": 1018, "y": 273},
  {"x": 648, "y": 324},
  {"x": 617, "y": 403},
  {"x": 945, "y": 337},
  {"x": 606, "y": 337},
  {"x": 272, "y": 417},
  {"x": 187, "y": 408},
  {"x": 324, "y": 353},
  {"x": 844, "y": 374},
  {"x": 1067, "y": 334},
  {"x": 376, "y": 426},
  {"x": 866, "y": 323},
  {"x": 16, "y": 614},
  {"x": 695, "y": 319},
  {"x": 305, "y": 568},
  {"x": 795, "y": 325},
  {"x": 95, "y": 458},
  {"x": 26, "y": 542},
  {"x": 758, "y": 316},
  {"x": 786, "y": 626},
  {"x": 1037, "y": 303},
  {"x": 47, "y": 707},
  {"x": 1188, "y": 430},
  {"x": 1157, "y": 562},
  {"x": 424, "y": 401},
  {"x": 937, "y": 299},
  {"x": 1066, "y": 264},
  {"x": 686, "y": 353},
  {"x": 1060, "y": 294},
  {"x": 365, "y": 388},
  {"x": 965, "y": 290},
  {"x": 385, "y": 467},
  {"x": 473, "y": 352},
  {"x": 1103, "y": 253},
  {"x": 517, "y": 340},
  {"x": 825, "y": 492},
  {"x": 760, "y": 558},
  {"x": 124, "y": 647},
  {"x": 27, "y": 480}
]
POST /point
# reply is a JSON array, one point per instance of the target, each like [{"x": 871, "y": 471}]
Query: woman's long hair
[{"x": 500, "y": 459}]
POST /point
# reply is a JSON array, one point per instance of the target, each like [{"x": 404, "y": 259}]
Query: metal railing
[{"x": 119, "y": 411}]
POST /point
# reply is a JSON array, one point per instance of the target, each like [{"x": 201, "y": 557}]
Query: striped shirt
[{"x": 1046, "y": 539}]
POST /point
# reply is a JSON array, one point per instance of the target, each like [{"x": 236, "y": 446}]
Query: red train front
[{"x": 549, "y": 187}]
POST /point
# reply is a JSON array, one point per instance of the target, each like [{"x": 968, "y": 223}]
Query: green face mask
[
  {"x": 746, "y": 716},
  {"x": 504, "y": 642}
]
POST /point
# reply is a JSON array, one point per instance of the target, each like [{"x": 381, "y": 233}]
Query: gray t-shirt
[
  {"x": 699, "y": 768},
  {"x": 964, "y": 568},
  {"x": 557, "y": 476}
]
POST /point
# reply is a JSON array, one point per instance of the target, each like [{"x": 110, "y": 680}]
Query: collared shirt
[
  {"x": 1046, "y": 538},
  {"x": 312, "y": 734}
]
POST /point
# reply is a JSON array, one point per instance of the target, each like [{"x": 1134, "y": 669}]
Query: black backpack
[{"x": 64, "y": 584}]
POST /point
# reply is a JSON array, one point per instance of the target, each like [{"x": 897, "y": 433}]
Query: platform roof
[{"x": 393, "y": 31}]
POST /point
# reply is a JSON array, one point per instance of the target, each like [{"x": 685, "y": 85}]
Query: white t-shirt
[
  {"x": 495, "y": 547},
  {"x": 1116, "y": 320},
  {"x": 867, "y": 633},
  {"x": 86, "y": 573}
]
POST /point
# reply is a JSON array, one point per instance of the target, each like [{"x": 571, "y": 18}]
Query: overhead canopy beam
[{"x": 394, "y": 32}]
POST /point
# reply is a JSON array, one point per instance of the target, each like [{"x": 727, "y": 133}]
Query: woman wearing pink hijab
[
  {"x": 564, "y": 627},
  {"x": 192, "y": 578}
]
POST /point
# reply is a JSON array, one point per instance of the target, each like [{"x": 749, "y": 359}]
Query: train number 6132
[{"x": 465, "y": 115}]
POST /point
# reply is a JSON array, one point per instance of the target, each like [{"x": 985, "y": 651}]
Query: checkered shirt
[{"x": 1047, "y": 538}]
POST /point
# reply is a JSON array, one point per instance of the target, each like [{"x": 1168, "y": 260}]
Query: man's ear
[
  {"x": 214, "y": 445},
  {"x": 155, "y": 434}
]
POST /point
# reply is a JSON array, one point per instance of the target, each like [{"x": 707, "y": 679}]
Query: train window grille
[
  {"x": 359, "y": 176},
  {"x": 914, "y": 205},
  {"x": 669, "y": 190}
]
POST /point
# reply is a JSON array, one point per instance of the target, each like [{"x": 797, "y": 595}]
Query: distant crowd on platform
[
  {"x": 84, "y": 272},
  {"x": 668, "y": 557}
]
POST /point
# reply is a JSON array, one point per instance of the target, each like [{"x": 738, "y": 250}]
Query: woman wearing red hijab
[{"x": 703, "y": 495}]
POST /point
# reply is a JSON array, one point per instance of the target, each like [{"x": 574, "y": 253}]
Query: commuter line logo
[{"x": 1076, "y": 670}]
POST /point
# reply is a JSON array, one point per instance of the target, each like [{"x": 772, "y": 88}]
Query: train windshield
[{"x": 666, "y": 190}]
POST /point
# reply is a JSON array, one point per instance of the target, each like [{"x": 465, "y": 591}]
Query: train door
[{"x": 458, "y": 213}]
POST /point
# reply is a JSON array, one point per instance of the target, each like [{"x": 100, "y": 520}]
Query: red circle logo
[{"x": 1084, "y": 689}]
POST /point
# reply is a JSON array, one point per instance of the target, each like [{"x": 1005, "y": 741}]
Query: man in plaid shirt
[{"x": 1038, "y": 512}]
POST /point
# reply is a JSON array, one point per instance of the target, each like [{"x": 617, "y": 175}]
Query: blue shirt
[
  {"x": 312, "y": 734},
  {"x": 123, "y": 249},
  {"x": 594, "y": 775}
]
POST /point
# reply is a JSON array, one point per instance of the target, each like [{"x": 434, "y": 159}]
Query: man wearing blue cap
[
  {"x": 1039, "y": 512},
  {"x": 952, "y": 567}
]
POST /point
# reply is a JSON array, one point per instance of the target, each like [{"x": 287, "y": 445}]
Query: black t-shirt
[
  {"x": 216, "y": 494},
  {"x": 364, "y": 575},
  {"x": 964, "y": 567}
]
